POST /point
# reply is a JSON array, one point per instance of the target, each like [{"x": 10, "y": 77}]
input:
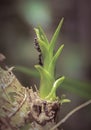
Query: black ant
[{"x": 39, "y": 50}]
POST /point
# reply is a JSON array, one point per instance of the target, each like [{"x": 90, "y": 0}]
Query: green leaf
[
  {"x": 57, "y": 83},
  {"x": 54, "y": 59},
  {"x": 65, "y": 101},
  {"x": 55, "y": 36},
  {"x": 46, "y": 81},
  {"x": 37, "y": 33},
  {"x": 43, "y": 34}
]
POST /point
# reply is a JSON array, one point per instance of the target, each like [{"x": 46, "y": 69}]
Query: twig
[{"x": 71, "y": 113}]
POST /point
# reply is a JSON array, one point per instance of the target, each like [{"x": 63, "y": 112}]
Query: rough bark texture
[
  {"x": 20, "y": 106},
  {"x": 48, "y": 126}
]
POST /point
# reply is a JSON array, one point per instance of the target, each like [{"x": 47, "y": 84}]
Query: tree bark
[
  {"x": 21, "y": 107},
  {"x": 48, "y": 126}
]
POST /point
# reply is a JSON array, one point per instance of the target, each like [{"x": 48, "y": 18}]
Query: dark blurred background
[{"x": 17, "y": 20}]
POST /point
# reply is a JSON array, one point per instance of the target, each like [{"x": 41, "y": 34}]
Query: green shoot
[{"x": 48, "y": 83}]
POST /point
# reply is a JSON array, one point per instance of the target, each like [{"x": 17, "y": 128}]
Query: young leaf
[
  {"x": 54, "y": 59},
  {"x": 52, "y": 95},
  {"x": 55, "y": 36},
  {"x": 46, "y": 81},
  {"x": 43, "y": 34},
  {"x": 48, "y": 85}
]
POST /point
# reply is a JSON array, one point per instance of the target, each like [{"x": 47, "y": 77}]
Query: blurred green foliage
[
  {"x": 36, "y": 12},
  {"x": 81, "y": 88}
]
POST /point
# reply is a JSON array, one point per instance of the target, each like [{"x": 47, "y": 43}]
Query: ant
[{"x": 39, "y": 50}]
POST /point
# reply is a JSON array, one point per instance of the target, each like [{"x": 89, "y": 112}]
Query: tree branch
[{"x": 71, "y": 113}]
